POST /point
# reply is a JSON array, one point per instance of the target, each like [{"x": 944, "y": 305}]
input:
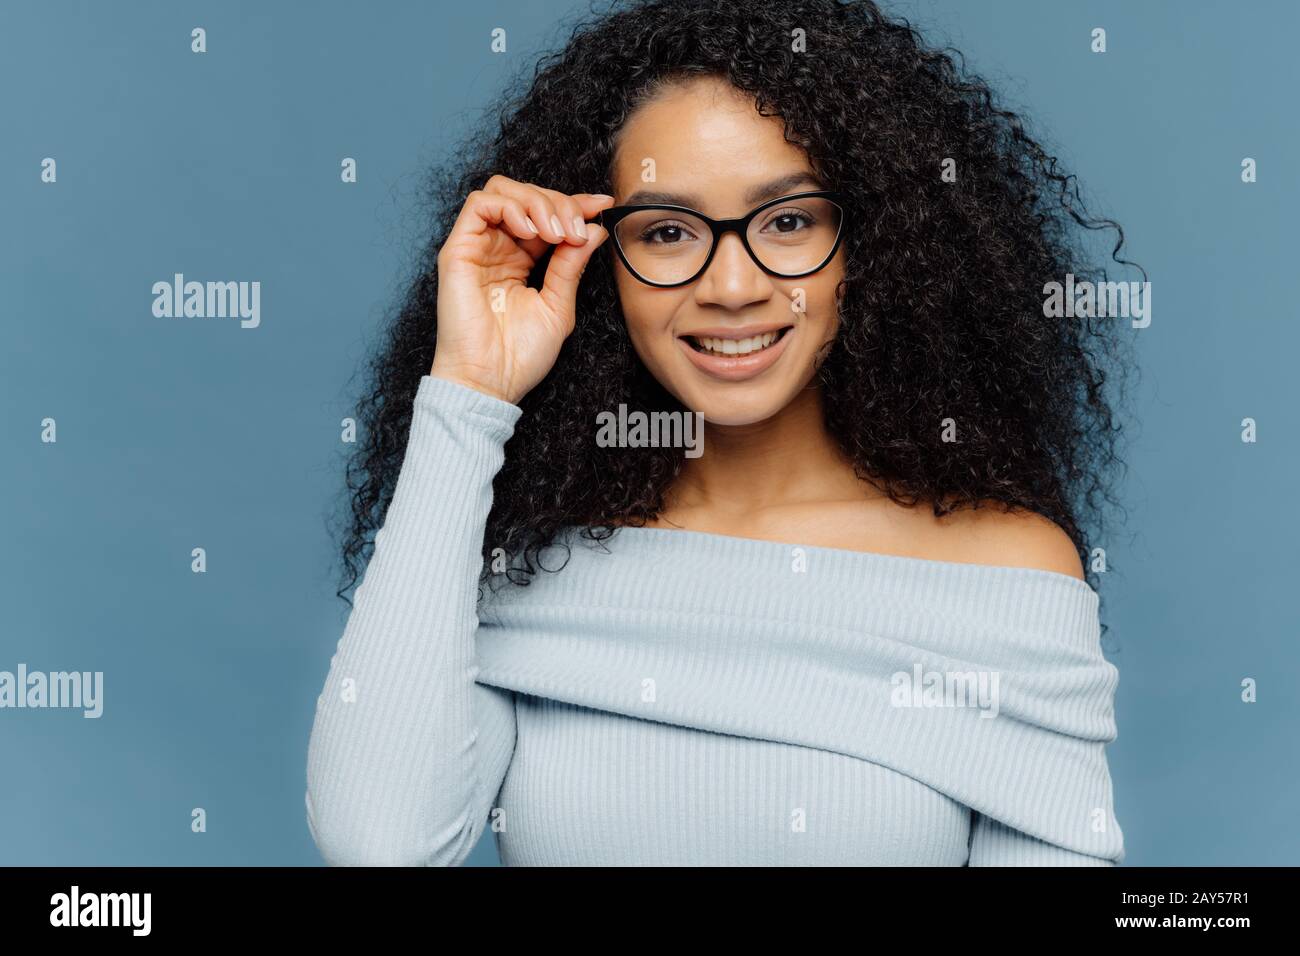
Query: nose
[{"x": 733, "y": 279}]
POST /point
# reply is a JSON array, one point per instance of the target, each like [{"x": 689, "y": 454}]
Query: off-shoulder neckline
[{"x": 738, "y": 543}]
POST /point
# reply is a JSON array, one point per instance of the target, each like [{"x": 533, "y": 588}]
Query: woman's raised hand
[{"x": 495, "y": 334}]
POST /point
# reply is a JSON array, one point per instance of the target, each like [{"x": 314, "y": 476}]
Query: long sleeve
[
  {"x": 993, "y": 843},
  {"x": 408, "y": 752}
]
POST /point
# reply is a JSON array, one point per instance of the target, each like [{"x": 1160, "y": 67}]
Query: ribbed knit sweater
[{"x": 676, "y": 697}]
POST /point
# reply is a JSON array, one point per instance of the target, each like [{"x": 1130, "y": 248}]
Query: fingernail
[
  {"x": 557, "y": 226},
  {"x": 531, "y": 225},
  {"x": 600, "y": 196},
  {"x": 579, "y": 227}
]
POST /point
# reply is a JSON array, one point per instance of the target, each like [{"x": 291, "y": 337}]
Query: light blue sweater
[{"x": 682, "y": 698}]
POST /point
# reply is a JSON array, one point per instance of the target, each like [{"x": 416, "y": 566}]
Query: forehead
[{"x": 703, "y": 140}]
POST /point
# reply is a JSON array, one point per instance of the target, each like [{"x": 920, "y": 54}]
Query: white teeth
[{"x": 736, "y": 346}]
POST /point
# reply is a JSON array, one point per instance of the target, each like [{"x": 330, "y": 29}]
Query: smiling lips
[
  {"x": 734, "y": 356},
  {"x": 734, "y": 346}
]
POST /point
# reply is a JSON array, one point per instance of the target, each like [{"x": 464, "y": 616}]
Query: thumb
[{"x": 564, "y": 271}]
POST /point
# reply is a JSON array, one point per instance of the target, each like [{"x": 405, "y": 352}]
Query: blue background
[{"x": 182, "y": 433}]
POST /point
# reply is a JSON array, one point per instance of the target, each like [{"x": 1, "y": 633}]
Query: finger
[
  {"x": 483, "y": 210},
  {"x": 593, "y": 203},
  {"x": 544, "y": 203},
  {"x": 572, "y": 215},
  {"x": 547, "y": 217},
  {"x": 539, "y": 204},
  {"x": 531, "y": 240},
  {"x": 564, "y": 273}
]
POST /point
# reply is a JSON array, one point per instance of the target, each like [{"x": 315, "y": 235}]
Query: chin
[{"x": 735, "y": 405}]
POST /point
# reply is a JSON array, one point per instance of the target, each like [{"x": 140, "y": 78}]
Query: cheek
[
  {"x": 823, "y": 304},
  {"x": 647, "y": 314}
]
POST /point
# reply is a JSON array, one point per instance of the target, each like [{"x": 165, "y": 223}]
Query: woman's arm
[
  {"x": 993, "y": 843},
  {"x": 407, "y": 752}
]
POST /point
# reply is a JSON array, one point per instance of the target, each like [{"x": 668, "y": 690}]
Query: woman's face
[{"x": 710, "y": 150}]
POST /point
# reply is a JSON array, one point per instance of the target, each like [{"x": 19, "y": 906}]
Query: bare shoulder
[{"x": 992, "y": 535}]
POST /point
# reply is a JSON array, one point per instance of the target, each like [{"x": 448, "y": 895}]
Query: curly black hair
[{"x": 942, "y": 313}]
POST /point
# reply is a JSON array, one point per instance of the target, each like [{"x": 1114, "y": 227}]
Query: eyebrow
[{"x": 756, "y": 194}]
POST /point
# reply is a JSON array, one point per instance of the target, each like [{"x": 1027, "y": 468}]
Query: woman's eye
[
  {"x": 665, "y": 234},
  {"x": 789, "y": 220}
]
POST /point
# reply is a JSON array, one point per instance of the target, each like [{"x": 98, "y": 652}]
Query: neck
[{"x": 788, "y": 459}]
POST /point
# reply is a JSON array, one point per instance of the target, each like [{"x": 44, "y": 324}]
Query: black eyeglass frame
[{"x": 609, "y": 219}]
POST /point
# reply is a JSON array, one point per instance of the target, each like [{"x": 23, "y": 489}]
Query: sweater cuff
[{"x": 438, "y": 396}]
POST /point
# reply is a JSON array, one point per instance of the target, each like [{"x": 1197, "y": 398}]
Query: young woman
[{"x": 850, "y": 627}]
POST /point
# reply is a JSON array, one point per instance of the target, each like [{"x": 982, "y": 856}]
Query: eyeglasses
[{"x": 668, "y": 246}]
